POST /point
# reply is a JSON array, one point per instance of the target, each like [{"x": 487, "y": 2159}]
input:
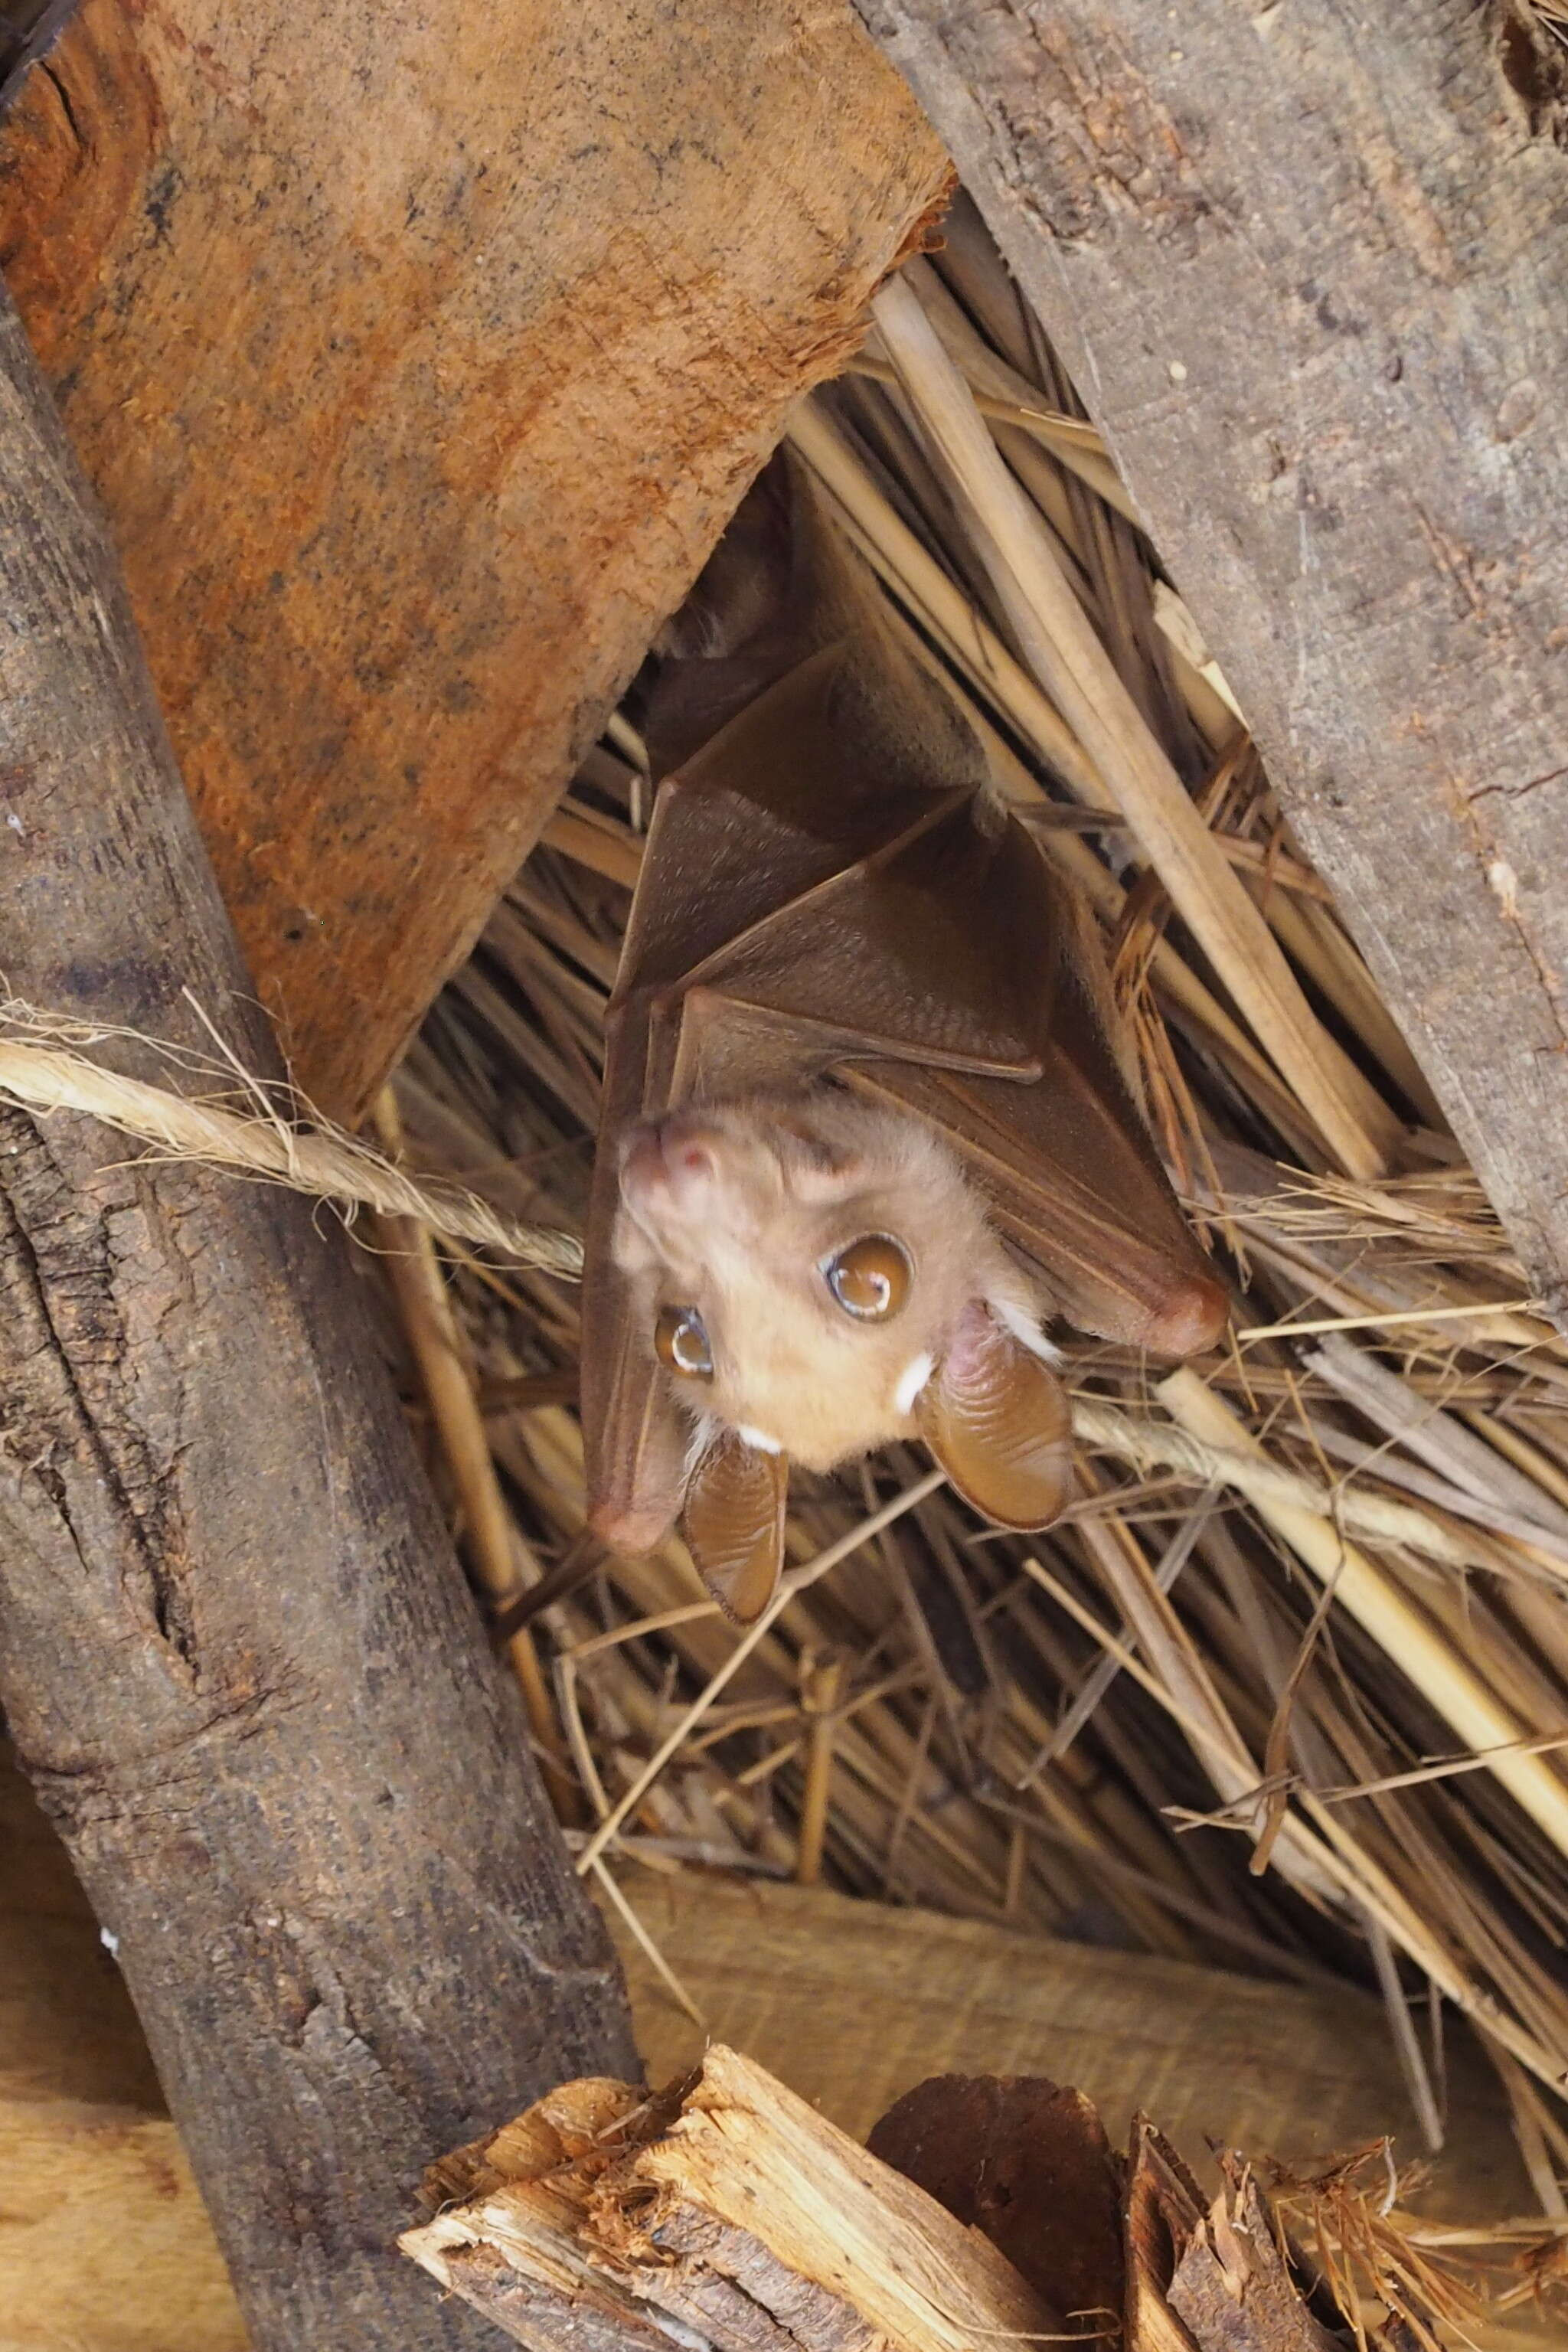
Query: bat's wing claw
[
  {"x": 1192, "y": 1316},
  {"x": 630, "y": 1525}
]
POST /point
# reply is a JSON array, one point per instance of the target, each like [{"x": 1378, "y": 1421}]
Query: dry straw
[{"x": 1076, "y": 671}]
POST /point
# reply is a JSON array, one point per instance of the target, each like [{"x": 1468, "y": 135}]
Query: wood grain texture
[
  {"x": 26, "y": 29},
  {"x": 852, "y": 2006},
  {"x": 236, "y": 1655},
  {"x": 732, "y": 2205},
  {"x": 1026, "y": 2161},
  {"x": 419, "y": 357},
  {"x": 1308, "y": 265},
  {"x": 105, "y": 2245},
  {"x": 757, "y": 2225}
]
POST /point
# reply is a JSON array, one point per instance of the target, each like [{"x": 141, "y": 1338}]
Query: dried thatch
[{"x": 1286, "y": 1688}]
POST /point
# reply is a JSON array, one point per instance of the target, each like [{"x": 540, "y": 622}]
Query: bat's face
[{"x": 801, "y": 1264}]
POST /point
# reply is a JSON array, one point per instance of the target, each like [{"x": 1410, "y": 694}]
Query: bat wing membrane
[
  {"x": 1068, "y": 1161},
  {"x": 782, "y": 875},
  {"x": 772, "y": 806},
  {"x": 829, "y": 888}
]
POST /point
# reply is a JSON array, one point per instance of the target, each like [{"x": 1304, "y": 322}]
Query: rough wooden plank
[
  {"x": 419, "y": 356},
  {"x": 1307, "y": 266},
  {"x": 851, "y": 2008},
  {"x": 105, "y": 2245},
  {"x": 236, "y": 1655}
]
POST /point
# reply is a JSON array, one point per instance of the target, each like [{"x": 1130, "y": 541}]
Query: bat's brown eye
[
  {"x": 681, "y": 1343},
  {"x": 871, "y": 1279}
]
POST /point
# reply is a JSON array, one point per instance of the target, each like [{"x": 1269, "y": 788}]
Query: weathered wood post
[
  {"x": 419, "y": 356},
  {"x": 1309, "y": 271},
  {"x": 236, "y": 1651}
]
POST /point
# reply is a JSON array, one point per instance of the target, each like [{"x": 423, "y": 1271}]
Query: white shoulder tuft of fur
[
  {"x": 912, "y": 1380},
  {"x": 1026, "y": 1330}
]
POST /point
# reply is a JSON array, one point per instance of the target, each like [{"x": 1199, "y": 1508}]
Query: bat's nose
[{"x": 670, "y": 1158}]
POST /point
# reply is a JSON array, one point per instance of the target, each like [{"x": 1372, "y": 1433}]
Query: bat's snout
[{"x": 668, "y": 1159}]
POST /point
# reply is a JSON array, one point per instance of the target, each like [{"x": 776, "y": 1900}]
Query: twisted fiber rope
[{"x": 330, "y": 1166}]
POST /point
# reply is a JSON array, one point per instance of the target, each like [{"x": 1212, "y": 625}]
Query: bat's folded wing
[
  {"x": 774, "y": 805},
  {"x": 822, "y": 896},
  {"x": 801, "y": 867}
]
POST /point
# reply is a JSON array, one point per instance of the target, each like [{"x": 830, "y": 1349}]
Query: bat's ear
[
  {"x": 996, "y": 1419},
  {"x": 735, "y": 1525}
]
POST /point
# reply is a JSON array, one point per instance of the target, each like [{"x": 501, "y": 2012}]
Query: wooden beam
[
  {"x": 1308, "y": 271},
  {"x": 236, "y": 1655},
  {"x": 850, "y": 2007},
  {"x": 419, "y": 356}
]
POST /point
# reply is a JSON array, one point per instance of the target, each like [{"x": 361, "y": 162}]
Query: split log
[
  {"x": 419, "y": 356},
  {"x": 729, "y": 2207},
  {"x": 1308, "y": 271},
  {"x": 1028, "y": 2164},
  {"x": 728, "y": 2204},
  {"x": 236, "y": 1655}
]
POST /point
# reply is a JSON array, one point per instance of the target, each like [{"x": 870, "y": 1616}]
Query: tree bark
[
  {"x": 235, "y": 1652},
  {"x": 1308, "y": 265},
  {"x": 419, "y": 355}
]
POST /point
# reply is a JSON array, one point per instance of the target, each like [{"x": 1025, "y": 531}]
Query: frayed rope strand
[{"x": 327, "y": 1164}]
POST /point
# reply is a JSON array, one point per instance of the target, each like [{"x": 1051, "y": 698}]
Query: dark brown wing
[{"x": 1066, "y": 1159}]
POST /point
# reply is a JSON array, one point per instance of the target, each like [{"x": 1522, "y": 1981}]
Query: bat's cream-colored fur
[{"x": 736, "y": 1211}]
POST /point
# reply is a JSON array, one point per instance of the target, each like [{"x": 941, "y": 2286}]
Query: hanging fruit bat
[{"x": 865, "y": 1124}]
